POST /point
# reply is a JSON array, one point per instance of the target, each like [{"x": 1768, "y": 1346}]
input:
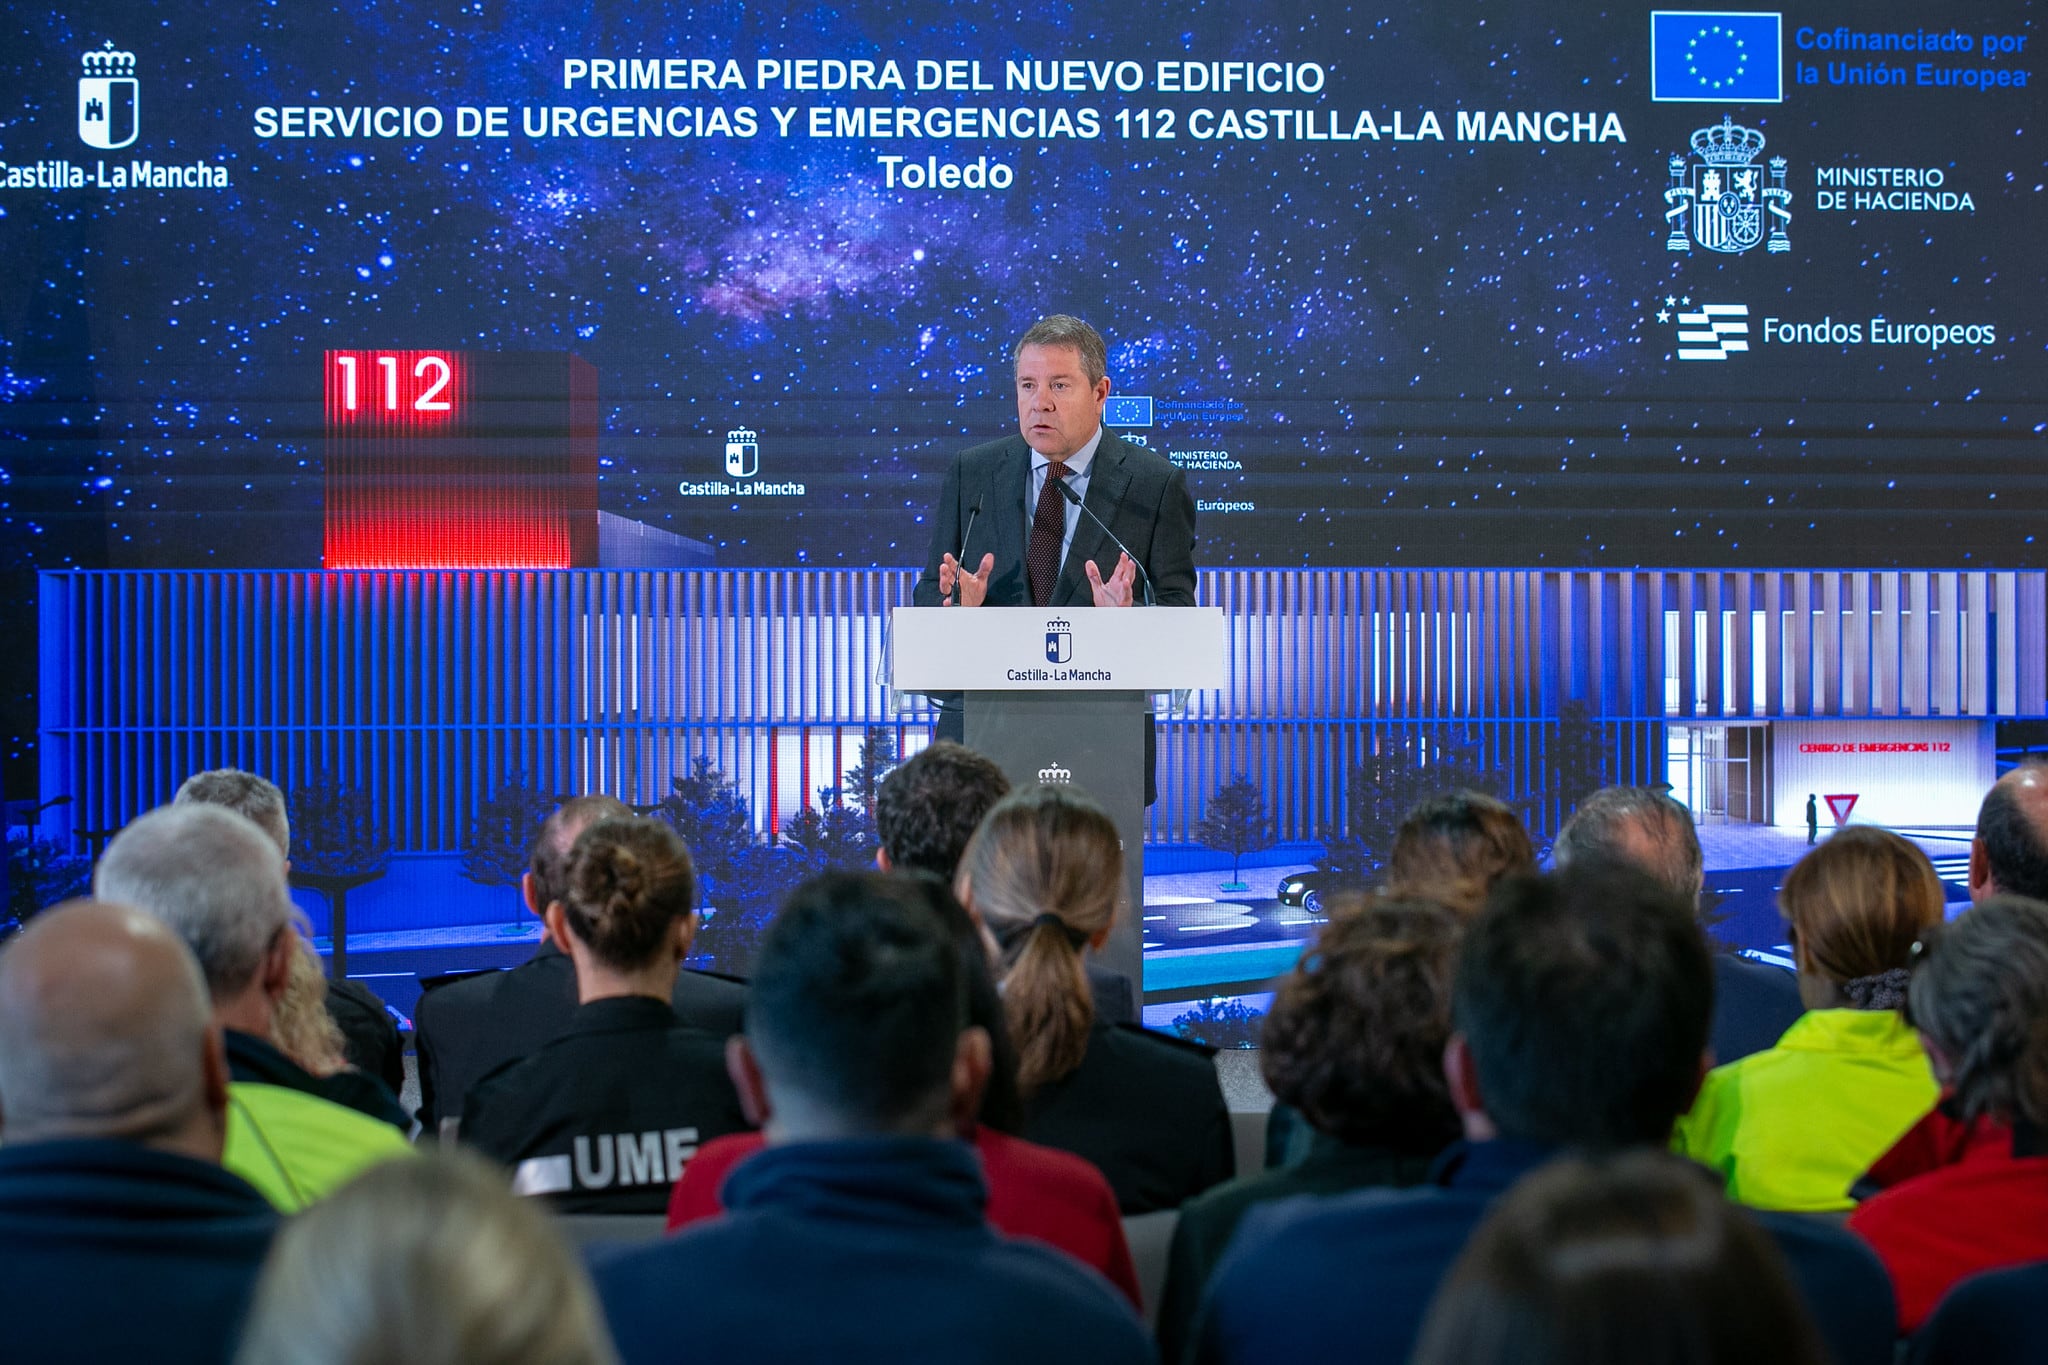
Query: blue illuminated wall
[{"x": 432, "y": 690}]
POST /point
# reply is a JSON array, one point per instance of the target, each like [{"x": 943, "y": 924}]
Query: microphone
[
  {"x": 1075, "y": 498},
  {"x": 972, "y": 513},
  {"x": 961, "y": 558}
]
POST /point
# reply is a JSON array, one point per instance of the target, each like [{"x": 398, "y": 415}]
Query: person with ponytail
[
  {"x": 1043, "y": 875},
  {"x": 1979, "y": 999},
  {"x": 604, "y": 1118},
  {"x": 1795, "y": 1126}
]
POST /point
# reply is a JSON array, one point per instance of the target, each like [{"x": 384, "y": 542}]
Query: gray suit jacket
[{"x": 1141, "y": 494}]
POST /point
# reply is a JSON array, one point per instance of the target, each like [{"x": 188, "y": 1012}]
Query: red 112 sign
[{"x": 406, "y": 388}]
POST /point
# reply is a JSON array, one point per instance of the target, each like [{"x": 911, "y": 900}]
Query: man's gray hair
[
  {"x": 1062, "y": 329},
  {"x": 1637, "y": 827},
  {"x": 213, "y": 876},
  {"x": 245, "y": 794}
]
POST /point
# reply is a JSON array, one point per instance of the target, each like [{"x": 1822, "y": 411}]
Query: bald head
[
  {"x": 1640, "y": 828},
  {"x": 105, "y": 1032},
  {"x": 2009, "y": 856},
  {"x": 548, "y": 872}
]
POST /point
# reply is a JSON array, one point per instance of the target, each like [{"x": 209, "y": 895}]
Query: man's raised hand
[
  {"x": 971, "y": 589},
  {"x": 1116, "y": 592}
]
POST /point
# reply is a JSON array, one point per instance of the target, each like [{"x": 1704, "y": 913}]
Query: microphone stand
[{"x": 1075, "y": 498}]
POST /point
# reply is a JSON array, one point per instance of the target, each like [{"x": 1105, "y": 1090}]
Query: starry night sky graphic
[{"x": 1445, "y": 353}]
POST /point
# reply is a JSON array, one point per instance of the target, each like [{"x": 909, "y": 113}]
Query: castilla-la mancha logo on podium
[
  {"x": 109, "y": 99},
  {"x": 1059, "y": 641}
]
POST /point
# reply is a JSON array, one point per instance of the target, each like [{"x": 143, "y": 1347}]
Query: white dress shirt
[{"x": 1079, "y": 465}]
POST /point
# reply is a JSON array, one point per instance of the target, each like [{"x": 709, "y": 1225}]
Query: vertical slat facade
[{"x": 433, "y": 690}]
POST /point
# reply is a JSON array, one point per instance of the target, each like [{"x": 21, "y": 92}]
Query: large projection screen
[{"x": 1453, "y": 283}]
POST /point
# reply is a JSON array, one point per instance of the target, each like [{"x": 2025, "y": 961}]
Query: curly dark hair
[
  {"x": 930, "y": 805},
  {"x": 1356, "y": 1036},
  {"x": 628, "y": 881}
]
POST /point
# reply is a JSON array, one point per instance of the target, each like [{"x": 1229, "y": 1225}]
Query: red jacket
[
  {"x": 1036, "y": 1192},
  {"x": 1984, "y": 1210},
  {"x": 1936, "y": 1141}
]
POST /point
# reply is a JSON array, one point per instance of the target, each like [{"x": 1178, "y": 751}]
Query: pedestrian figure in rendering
[{"x": 1812, "y": 819}]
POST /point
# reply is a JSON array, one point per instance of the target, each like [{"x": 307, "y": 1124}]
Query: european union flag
[
  {"x": 1128, "y": 410},
  {"x": 1715, "y": 56}
]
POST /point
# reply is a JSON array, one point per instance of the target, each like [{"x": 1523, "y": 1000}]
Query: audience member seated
[
  {"x": 218, "y": 882},
  {"x": 121, "y": 1238},
  {"x": 304, "y": 1030},
  {"x": 1639, "y": 827},
  {"x": 1038, "y": 1192},
  {"x": 1637, "y": 1260},
  {"x": 926, "y": 810},
  {"x": 1044, "y": 874},
  {"x": 2009, "y": 855},
  {"x": 429, "y": 1262},
  {"x": 1580, "y": 1013},
  {"x": 1938, "y": 1139},
  {"x": 370, "y": 1041},
  {"x": 1453, "y": 848},
  {"x": 604, "y": 1118},
  {"x": 1450, "y": 850},
  {"x": 1997, "y": 1318},
  {"x": 1355, "y": 1043},
  {"x": 1979, "y": 999},
  {"x": 467, "y": 1028},
  {"x": 859, "y": 1233},
  {"x": 1794, "y": 1126}
]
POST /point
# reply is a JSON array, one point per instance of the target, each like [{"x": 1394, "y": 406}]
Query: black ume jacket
[
  {"x": 604, "y": 1118},
  {"x": 470, "y": 1026}
]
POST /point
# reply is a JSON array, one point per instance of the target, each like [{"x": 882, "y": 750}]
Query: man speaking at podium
[{"x": 1032, "y": 519}]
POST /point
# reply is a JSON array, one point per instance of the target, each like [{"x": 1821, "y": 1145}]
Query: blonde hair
[
  {"x": 1856, "y": 904},
  {"x": 301, "y": 1027},
  {"x": 1044, "y": 872},
  {"x": 431, "y": 1261}
]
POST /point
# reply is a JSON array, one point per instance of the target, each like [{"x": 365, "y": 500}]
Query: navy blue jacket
[
  {"x": 112, "y": 1252},
  {"x": 872, "y": 1249},
  {"x": 1997, "y": 1318},
  {"x": 1754, "y": 1003},
  {"x": 1353, "y": 1275}
]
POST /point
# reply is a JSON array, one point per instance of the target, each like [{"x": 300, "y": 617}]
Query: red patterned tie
[{"x": 1048, "y": 529}]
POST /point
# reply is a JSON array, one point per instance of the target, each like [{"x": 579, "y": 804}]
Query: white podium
[{"x": 1060, "y": 697}]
